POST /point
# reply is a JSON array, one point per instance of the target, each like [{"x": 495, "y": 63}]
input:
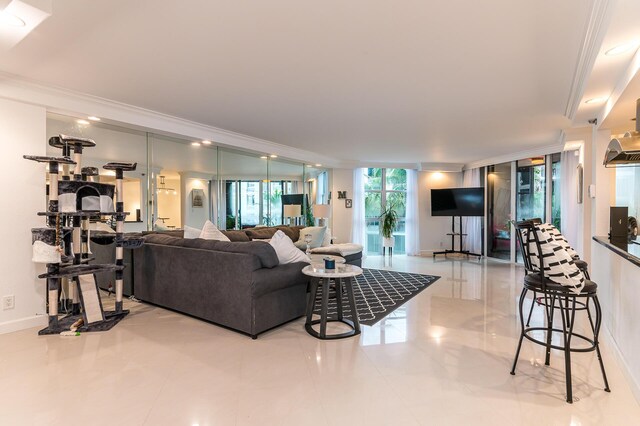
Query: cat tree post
[{"x": 119, "y": 168}]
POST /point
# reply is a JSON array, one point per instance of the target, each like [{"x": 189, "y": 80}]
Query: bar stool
[
  {"x": 557, "y": 297},
  {"x": 581, "y": 264}
]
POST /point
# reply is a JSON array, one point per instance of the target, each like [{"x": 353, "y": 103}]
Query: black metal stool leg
[
  {"x": 596, "y": 333},
  {"x": 520, "y": 304},
  {"x": 535, "y": 299},
  {"x": 549, "y": 310},
  {"x": 568, "y": 318}
]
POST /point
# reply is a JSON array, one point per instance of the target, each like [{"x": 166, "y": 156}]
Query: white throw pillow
[
  {"x": 317, "y": 237},
  {"x": 211, "y": 232},
  {"x": 286, "y": 250},
  {"x": 191, "y": 232}
]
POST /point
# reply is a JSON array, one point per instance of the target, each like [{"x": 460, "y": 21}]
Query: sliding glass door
[{"x": 499, "y": 211}]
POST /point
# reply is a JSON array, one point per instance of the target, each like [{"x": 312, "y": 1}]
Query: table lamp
[
  {"x": 321, "y": 212},
  {"x": 292, "y": 210}
]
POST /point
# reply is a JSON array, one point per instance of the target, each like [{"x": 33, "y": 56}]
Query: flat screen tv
[
  {"x": 457, "y": 202},
  {"x": 296, "y": 199}
]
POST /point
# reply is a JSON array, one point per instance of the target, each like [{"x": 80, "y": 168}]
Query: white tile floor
[{"x": 441, "y": 359}]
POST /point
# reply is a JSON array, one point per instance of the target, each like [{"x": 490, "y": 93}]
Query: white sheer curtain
[
  {"x": 570, "y": 217},
  {"x": 412, "y": 231},
  {"x": 472, "y": 226},
  {"x": 358, "y": 229}
]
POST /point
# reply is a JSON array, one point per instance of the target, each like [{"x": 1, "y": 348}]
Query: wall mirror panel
[
  {"x": 183, "y": 182},
  {"x": 241, "y": 184},
  {"x": 113, "y": 143}
]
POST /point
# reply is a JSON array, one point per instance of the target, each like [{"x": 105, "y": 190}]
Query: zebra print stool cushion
[
  {"x": 559, "y": 265},
  {"x": 559, "y": 238}
]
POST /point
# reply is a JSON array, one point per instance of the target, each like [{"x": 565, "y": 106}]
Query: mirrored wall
[{"x": 182, "y": 182}]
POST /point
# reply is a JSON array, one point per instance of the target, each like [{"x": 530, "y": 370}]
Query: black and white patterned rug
[{"x": 378, "y": 293}]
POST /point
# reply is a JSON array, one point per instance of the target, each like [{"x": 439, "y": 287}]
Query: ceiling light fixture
[
  {"x": 264, "y": 157},
  {"x": 195, "y": 143},
  {"x": 93, "y": 118},
  {"x": 595, "y": 100},
  {"x": 318, "y": 165},
  {"x": 84, "y": 122},
  {"x": 163, "y": 187},
  {"x": 623, "y": 48},
  {"x": 10, "y": 20},
  {"x": 273, "y": 156},
  {"x": 206, "y": 142}
]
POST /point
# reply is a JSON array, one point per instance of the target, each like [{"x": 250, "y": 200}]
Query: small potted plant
[{"x": 388, "y": 222}]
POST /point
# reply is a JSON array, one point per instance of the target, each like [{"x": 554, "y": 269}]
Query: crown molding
[
  {"x": 595, "y": 30},
  {"x": 623, "y": 82},
  {"x": 514, "y": 156},
  {"x": 67, "y": 102}
]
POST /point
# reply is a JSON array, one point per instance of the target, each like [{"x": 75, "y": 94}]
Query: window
[{"x": 384, "y": 188}]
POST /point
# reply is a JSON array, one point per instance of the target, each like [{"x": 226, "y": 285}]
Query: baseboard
[
  {"x": 611, "y": 343},
  {"x": 23, "y": 323}
]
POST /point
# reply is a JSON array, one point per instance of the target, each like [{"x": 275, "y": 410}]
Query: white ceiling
[{"x": 411, "y": 81}]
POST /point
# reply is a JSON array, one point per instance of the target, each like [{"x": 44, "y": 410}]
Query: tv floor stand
[{"x": 453, "y": 234}]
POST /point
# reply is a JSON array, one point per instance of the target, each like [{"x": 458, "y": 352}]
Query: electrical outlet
[{"x": 8, "y": 302}]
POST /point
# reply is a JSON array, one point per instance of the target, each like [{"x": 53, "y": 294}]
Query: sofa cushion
[
  {"x": 265, "y": 256},
  {"x": 260, "y": 233},
  {"x": 237, "y": 236},
  {"x": 289, "y": 232},
  {"x": 179, "y": 233}
]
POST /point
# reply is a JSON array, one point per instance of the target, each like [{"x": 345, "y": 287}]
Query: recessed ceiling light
[
  {"x": 623, "y": 48},
  {"x": 595, "y": 100},
  {"x": 273, "y": 156},
  {"x": 93, "y": 118},
  {"x": 264, "y": 157},
  {"x": 205, "y": 142},
  {"x": 85, "y": 122},
  {"x": 309, "y": 165},
  {"x": 195, "y": 143},
  {"x": 318, "y": 165},
  {"x": 10, "y": 20}
]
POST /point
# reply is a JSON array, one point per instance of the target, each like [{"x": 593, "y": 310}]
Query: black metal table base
[{"x": 340, "y": 283}]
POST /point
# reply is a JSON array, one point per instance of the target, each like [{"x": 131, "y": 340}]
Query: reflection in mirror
[
  {"x": 183, "y": 176},
  {"x": 242, "y": 182},
  {"x": 317, "y": 184},
  {"x": 113, "y": 143},
  {"x": 285, "y": 192}
]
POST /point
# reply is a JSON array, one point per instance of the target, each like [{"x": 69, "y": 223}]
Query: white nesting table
[{"x": 343, "y": 277}]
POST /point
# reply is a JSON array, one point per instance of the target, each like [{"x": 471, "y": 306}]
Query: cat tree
[{"x": 64, "y": 244}]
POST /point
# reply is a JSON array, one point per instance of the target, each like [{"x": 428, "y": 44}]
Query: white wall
[
  {"x": 23, "y": 132},
  {"x": 342, "y": 217},
  {"x": 433, "y": 229}
]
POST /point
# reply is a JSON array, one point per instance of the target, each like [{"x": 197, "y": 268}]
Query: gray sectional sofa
[{"x": 237, "y": 284}]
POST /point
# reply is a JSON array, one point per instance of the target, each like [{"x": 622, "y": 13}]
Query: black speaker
[{"x": 618, "y": 222}]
